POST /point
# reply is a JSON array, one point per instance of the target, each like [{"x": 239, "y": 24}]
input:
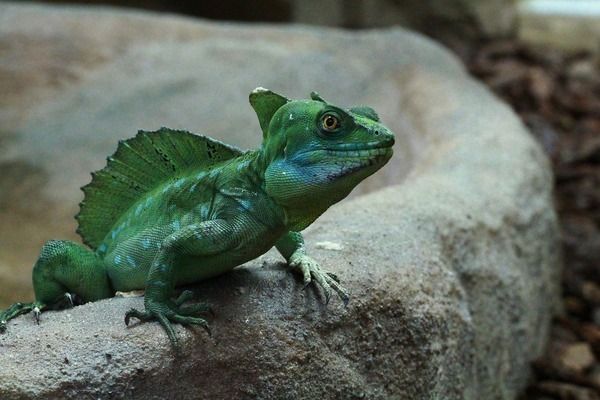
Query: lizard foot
[
  {"x": 173, "y": 312},
  {"x": 311, "y": 271},
  {"x": 20, "y": 308}
]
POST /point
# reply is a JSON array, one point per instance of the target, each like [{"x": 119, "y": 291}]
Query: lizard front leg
[
  {"x": 291, "y": 246},
  {"x": 203, "y": 239}
]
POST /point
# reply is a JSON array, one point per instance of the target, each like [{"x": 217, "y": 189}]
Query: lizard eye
[{"x": 330, "y": 122}]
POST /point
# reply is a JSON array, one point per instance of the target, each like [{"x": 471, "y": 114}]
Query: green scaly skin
[{"x": 208, "y": 221}]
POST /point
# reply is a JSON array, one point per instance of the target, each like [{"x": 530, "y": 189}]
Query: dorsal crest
[{"x": 139, "y": 165}]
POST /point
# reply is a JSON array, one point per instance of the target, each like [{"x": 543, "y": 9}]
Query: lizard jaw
[{"x": 380, "y": 144}]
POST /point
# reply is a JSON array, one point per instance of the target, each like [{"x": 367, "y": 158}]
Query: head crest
[
  {"x": 366, "y": 112},
  {"x": 265, "y": 104},
  {"x": 315, "y": 96}
]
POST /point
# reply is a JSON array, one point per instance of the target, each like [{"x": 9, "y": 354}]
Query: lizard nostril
[{"x": 377, "y": 133}]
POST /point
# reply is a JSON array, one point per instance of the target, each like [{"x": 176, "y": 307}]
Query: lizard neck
[
  {"x": 298, "y": 191},
  {"x": 255, "y": 167}
]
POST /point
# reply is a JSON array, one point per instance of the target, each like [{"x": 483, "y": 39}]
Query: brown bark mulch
[{"x": 557, "y": 95}]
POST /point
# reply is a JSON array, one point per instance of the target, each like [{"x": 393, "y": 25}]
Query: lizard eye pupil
[{"x": 330, "y": 122}]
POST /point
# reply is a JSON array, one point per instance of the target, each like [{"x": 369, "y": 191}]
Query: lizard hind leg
[
  {"x": 63, "y": 271},
  {"x": 65, "y": 268}
]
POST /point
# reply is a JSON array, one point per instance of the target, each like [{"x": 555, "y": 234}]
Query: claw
[
  {"x": 340, "y": 292},
  {"x": 2, "y": 326},
  {"x": 36, "y": 314},
  {"x": 343, "y": 296},
  {"x": 206, "y": 327},
  {"x": 69, "y": 298},
  {"x": 135, "y": 314},
  {"x": 334, "y": 277}
]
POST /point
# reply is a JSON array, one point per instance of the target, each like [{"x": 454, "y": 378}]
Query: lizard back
[{"x": 139, "y": 165}]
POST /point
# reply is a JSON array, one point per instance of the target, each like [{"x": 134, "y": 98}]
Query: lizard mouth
[
  {"x": 349, "y": 158},
  {"x": 344, "y": 147},
  {"x": 370, "y": 150}
]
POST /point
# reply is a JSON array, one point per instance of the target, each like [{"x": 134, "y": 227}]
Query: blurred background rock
[
  {"x": 460, "y": 18},
  {"x": 570, "y": 25}
]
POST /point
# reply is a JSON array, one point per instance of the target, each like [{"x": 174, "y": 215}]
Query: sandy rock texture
[{"x": 453, "y": 269}]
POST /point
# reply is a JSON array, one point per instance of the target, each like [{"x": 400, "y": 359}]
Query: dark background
[{"x": 250, "y": 11}]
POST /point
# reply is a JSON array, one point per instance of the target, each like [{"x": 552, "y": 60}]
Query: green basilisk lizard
[{"x": 173, "y": 208}]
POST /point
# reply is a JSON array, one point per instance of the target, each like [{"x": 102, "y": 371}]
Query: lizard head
[{"x": 315, "y": 151}]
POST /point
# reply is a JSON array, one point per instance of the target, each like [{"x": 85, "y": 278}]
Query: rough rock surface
[{"x": 453, "y": 272}]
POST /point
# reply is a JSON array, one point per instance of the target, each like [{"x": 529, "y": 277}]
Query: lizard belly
[
  {"x": 192, "y": 269},
  {"x": 128, "y": 271},
  {"x": 130, "y": 261}
]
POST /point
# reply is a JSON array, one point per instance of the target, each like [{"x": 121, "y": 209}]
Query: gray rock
[
  {"x": 453, "y": 271},
  {"x": 448, "y": 19}
]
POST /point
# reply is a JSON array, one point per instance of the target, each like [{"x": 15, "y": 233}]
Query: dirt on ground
[{"x": 557, "y": 96}]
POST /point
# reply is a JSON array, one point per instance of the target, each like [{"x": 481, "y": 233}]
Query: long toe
[
  {"x": 193, "y": 321},
  {"x": 186, "y": 295},
  {"x": 341, "y": 292},
  {"x": 168, "y": 327},
  {"x": 333, "y": 276},
  {"x": 167, "y": 314},
  {"x": 195, "y": 309},
  {"x": 133, "y": 313},
  {"x": 322, "y": 281}
]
